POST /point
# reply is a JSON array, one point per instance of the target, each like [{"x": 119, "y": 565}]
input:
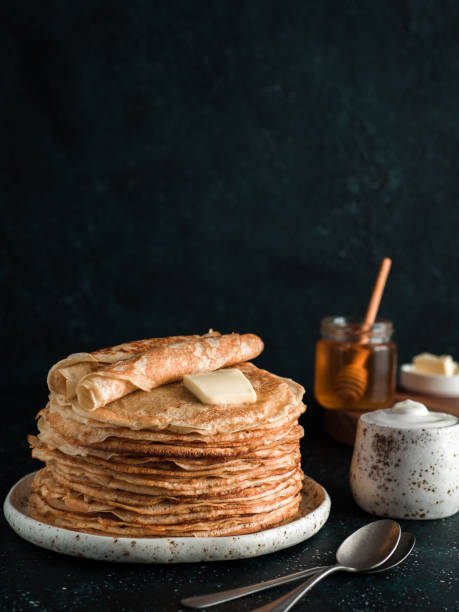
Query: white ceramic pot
[{"x": 406, "y": 463}]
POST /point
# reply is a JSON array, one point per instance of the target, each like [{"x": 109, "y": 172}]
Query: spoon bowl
[
  {"x": 369, "y": 546},
  {"x": 404, "y": 548}
]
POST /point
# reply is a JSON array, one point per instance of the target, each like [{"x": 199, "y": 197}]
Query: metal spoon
[
  {"x": 404, "y": 548},
  {"x": 366, "y": 549}
]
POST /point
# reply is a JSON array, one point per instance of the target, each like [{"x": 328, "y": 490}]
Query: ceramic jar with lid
[{"x": 406, "y": 462}]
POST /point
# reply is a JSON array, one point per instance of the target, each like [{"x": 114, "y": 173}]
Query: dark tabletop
[{"x": 34, "y": 578}]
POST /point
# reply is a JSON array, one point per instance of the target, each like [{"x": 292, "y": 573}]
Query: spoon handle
[
  {"x": 287, "y": 601},
  {"x": 212, "y": 599}
]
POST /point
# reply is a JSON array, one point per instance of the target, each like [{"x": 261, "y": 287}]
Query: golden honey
[{"x": 343, "y": 343}]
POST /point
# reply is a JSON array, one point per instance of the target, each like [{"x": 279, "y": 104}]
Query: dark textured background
[
  {"x": 174, "y": 166},
  {"x": 166, "y": 167}
]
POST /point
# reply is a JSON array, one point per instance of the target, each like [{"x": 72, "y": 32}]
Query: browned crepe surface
[
  {"x": 163, "y": 365},
  {"x": 176, "y": 409},
  {"x": 65, "y": 374}
]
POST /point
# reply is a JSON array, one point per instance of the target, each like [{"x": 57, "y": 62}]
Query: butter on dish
[
  {"x": 426, "y": 363},
  {"x": 431, "y": 374}
]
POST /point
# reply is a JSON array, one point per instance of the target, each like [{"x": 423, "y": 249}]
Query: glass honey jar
[{"x": 355, "y": 365}]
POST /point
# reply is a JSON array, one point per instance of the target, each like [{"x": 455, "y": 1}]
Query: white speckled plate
[{"x": 315, "y": 508}]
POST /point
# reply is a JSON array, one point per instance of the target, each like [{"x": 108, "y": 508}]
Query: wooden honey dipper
[{"x": 351, "y": 380}]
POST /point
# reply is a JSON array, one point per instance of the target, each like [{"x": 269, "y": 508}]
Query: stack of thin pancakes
[{"x": 158, "y": 462}]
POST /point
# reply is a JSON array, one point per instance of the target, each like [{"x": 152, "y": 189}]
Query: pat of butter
[
  {"x": 228, "y": 386},
  {"x": 426, "y": 363}
]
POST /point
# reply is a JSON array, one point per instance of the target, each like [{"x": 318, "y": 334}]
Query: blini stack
[{"x": 160, "y": 463}]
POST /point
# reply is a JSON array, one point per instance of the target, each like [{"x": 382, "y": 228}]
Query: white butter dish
[{"x": 432, "y": 384}]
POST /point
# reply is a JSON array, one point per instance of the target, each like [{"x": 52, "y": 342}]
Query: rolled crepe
[
  {"x": 160, "y": 366},
  {"x": 64, "y": 376}
]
